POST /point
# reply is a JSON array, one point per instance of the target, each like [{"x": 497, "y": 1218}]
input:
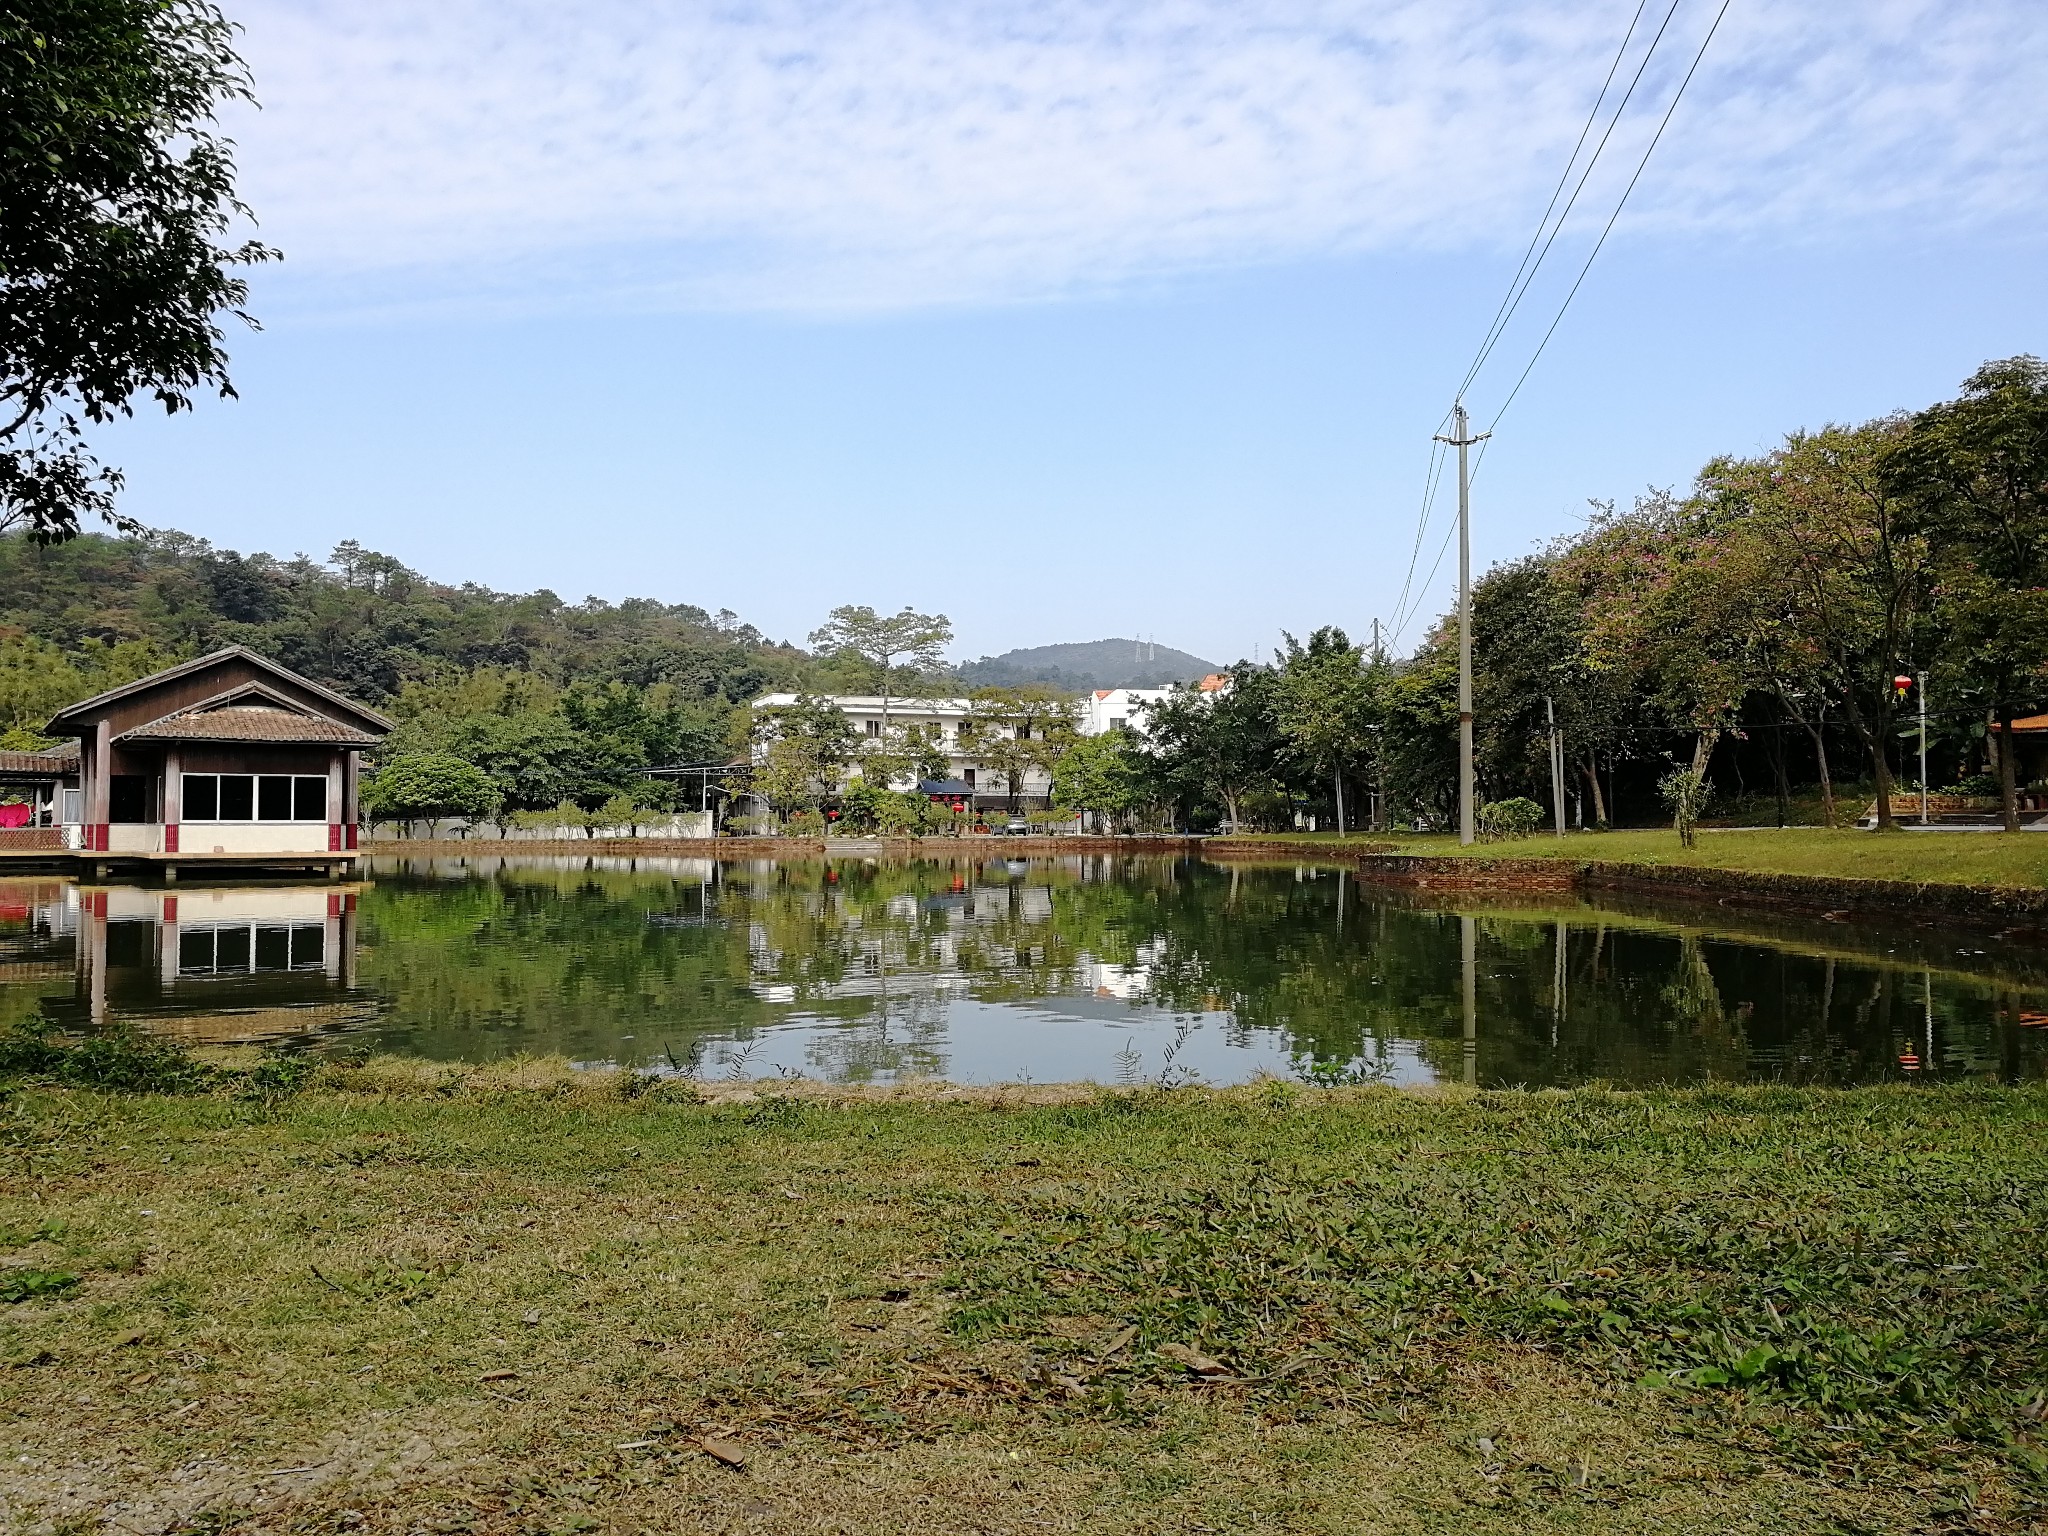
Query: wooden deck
[{"x": 167, "y": 867}]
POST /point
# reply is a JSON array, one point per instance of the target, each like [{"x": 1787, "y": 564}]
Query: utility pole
[
  {"x": 1923, "y": 749},
  {"x": 1461, "y": 425},
  {"x": 1557, "y": 764}
]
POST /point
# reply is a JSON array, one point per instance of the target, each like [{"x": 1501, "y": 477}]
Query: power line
[
  {"x": 1429, "y": 484},
  {"x": 1641, "y": 165},
  {"x": 1518, "y": 285},
  {"x": 1512, "y": 299}
]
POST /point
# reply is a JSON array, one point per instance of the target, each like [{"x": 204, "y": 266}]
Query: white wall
[{"x": 249, "y": 836}]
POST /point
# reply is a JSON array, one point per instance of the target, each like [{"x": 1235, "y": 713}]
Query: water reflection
[
  {"x": 999, "y": 970},
  {"x": 218, "y": 965}
]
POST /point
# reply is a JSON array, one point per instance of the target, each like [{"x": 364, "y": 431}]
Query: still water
[{"x": 992, "y": 970}]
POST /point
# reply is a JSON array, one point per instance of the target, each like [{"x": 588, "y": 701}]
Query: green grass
[
  {"x": 516, "y": 1299},
  {"x": 1956, "y": 858}
]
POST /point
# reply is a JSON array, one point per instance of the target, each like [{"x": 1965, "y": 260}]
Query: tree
[
  {"x": 1656, "y": 615},
  {"x": 1013, "y": 730},
  {"x": 118, "y": 190},
  {"x": 1222, "y": 743},
  {"x": 429, "y": 786},
  {"x": 1105, "y": 776},
  {"x": 1975, "y": 470},
  {"x": 37, "y": 679},
  {"x": 805, "y": 747},
  {"x": 912, "y": 752},
  {"x": 1324, "y": 705},
  {"x": 1824, "y": 570},
  {"x": 920, "y": 639}
]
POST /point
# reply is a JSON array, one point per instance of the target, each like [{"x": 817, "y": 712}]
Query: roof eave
[{"x": 71, "y": 719}]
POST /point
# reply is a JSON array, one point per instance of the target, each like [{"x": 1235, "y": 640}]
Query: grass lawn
[
  {"x": 413, "y": 1298},
  {"x": 1960, "y": 858}
]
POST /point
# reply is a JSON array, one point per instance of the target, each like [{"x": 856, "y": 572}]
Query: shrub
[
  {"x": 122, "y": 1059},
  {"x": 1504, "y": 819},
  {"x": 1687, "y": 792},
  {"x": 119, "y": 1060}
]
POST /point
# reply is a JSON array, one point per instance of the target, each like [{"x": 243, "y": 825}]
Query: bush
[
  {"x": 122, "y": 1059},
  {"x": 1503, "y": 819},
  {"x": 1687, "y": 792},
  {"x": 1977, "y": 786}
]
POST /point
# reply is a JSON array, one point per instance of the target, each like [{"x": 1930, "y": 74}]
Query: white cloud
[{"x": 892, "y": 154}]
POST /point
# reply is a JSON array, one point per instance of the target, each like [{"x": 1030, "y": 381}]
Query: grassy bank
[
  {"x": 1956, "y": 858},
  {"x": 410, "y": 1298}
]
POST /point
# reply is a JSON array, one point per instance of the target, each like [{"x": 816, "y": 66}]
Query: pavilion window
[{"x": 255, "y": 797}]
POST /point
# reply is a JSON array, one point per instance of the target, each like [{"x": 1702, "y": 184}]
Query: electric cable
[
  {"x": 1517, "y": 287},
  {"x": 1512, "y": 299},
  {"x": 1641, "y": 165}
]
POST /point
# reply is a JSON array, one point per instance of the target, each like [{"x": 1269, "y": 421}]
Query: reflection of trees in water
[{"x": 608, "y": 964}]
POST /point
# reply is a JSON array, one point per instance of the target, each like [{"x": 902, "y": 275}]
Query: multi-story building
[{"x": 968, "y": 777}]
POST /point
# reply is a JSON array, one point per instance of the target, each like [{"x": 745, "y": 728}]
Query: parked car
[{"x": 1016, "y": 826}]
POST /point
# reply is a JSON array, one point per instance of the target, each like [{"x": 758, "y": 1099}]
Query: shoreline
[
  {"x": 1826, "y": 895},
  {"x": 1375, "y": 862}
]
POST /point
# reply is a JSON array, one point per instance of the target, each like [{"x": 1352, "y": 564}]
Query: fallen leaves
[
  {"x": 725, "y": 1452},
  {"x": 1197, "y": 1362},
  {"x": 1118, "y": 1342}
]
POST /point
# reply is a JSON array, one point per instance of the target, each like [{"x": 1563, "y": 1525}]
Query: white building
[
  {"x": 989, "y": 788},
  {"x": 1110, "y": 709},
  {"x": 1106, "y": 709}
]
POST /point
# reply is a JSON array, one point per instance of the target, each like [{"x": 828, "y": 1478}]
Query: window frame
[{"x": 292, "y": 793}]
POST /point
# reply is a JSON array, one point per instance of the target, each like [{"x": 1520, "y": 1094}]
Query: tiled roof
[
  {"x": 240, "y": 722},
  {"x": 55, "y": 760}
]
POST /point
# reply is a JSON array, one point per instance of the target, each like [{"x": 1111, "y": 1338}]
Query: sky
[{"x": 1075, "y": 320}]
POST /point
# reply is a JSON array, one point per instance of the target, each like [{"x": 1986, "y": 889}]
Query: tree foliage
[
  {"x": 429, "y": 786},
  {"x": 115, "y": 273}
]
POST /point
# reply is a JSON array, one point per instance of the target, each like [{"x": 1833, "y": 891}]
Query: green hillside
[{"x": 1089, "y": 664}]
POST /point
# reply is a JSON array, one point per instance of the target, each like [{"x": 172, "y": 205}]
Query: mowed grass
[
  {"x": 2014, "y": 860},
  {"x": 520, "y": 1299}
]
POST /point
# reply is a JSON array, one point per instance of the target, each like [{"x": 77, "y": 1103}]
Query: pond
[{"x": 1113, "y": 969}]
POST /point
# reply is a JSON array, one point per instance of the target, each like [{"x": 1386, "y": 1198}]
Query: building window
[
  {"x": 127, "y": 798},
  {"x": 874, "y": 727},
  {"x": 240, "y": 948},
  {"x": 255, "y": 797},
  {"x": 1116, "y": 723}
]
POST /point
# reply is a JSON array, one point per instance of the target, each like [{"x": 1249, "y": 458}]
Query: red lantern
[{"x": 1902, "y": 685}]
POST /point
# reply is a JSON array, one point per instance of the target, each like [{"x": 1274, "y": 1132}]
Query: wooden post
[
  {"x": 337, "y": 777},
  {"x": 98, "y": 789},
  {"x": 173, "y": 803}
]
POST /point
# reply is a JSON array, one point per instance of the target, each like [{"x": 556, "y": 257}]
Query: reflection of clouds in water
[{"x": 1069, "y": 971}]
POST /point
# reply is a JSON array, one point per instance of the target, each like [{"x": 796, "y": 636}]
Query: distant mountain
[{"x": 1087, "y": 665}]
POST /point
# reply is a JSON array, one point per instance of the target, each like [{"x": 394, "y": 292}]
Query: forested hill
[
  {"x": 99, "y": 610},
  {"x": 1087, "y": 665},
  {"x": 364, "y": 622}
]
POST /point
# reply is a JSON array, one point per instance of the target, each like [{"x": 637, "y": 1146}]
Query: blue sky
[{"x": 1071, "y": 320}]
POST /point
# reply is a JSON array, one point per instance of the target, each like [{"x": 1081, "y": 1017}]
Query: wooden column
[
  {"x": 173, "y": 798},
  {"x": 98, "y": 787},
  {"x": 352, "y": 773},
  {"x": 337, "y": 798}
]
